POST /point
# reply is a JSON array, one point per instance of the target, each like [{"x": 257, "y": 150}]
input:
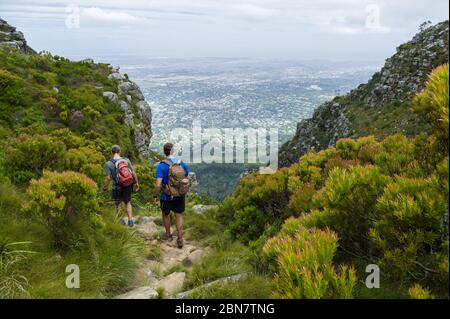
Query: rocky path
[{"x": 159, "y": 275}]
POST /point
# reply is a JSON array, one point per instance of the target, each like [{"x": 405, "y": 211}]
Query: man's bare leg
[
  {"x": 130, "y": 211},
  {"x": 166, "y": 222},
  {"x": 179, "y": 222}
]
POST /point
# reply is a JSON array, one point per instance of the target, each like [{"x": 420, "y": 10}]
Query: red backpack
[{"x": 124, "y": 173}]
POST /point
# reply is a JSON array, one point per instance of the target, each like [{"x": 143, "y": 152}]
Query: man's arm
[
  {"x": 107, "y": 173},
  {"x": 136, "y": 180},
  {"x": 134, "y": 175},
  {"x": 157, "y": 189},
  {"x": 186, "y": 169},
  {"x": 106, "y": 183},
  {"x": 158, "y": 183}
]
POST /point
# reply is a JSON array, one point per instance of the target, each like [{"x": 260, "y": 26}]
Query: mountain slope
[
  {"x": 41, "y": 93},
  {"x": 58, "y": 120},
  {"x": 380, "y": 107}
]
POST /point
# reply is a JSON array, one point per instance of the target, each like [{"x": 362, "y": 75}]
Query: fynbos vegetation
[{"x": 361, "y": 202}]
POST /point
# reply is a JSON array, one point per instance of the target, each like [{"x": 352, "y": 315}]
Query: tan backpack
[{"x": 178, "y": 182}]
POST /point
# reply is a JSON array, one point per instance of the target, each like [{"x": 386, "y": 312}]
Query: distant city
[{"x": 238, "y": 93}]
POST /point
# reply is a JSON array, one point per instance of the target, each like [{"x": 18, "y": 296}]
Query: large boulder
[
  {"x": 147, "y": 228},
  {"x": 172, "y": 283},
  {"x": 116, "y": 76},
  {"x": 132, "y": 89},
  {"x": 194, "y": 257},
  {"x": 200, "y": 208},
  {"x": 111, "y": 96}
]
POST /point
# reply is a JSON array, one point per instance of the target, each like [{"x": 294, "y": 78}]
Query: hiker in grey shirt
[{"x": 121, "y": 193}]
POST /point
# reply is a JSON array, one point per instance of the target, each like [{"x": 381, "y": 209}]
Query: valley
[{"x": 236, "y": 93}]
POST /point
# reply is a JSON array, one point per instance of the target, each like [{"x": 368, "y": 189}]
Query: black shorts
[
  {"x": 176, "y": 205},
  {"x": 122, "y": 194}
]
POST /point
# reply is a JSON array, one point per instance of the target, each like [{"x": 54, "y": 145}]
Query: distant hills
[{"x": 382, "y": 106}]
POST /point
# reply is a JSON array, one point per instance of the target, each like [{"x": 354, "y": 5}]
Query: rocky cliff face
[
  {"x": 402, "y": 76},
  {"x": 138, "y": 113},
  {"x": 10, "y": 37}
]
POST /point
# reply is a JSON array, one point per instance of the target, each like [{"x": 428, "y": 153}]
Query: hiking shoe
[
  {"x": 131, "y": 223},
  {"x": 180, "y": 243},
  {"x": 167, "y": 237}
]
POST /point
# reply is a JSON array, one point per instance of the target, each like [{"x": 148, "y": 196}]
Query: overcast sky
[{"x": 340, "y": 29}]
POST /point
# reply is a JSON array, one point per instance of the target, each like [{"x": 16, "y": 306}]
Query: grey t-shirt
[{"x": 110, "y": 170}]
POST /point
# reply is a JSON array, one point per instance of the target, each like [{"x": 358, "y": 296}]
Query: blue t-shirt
[{"x": 162, "y": 171}]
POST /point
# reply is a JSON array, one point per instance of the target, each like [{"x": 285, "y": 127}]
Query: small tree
[
  {"x": 425, "y": 25},
  {"x": 63, "y": 201}
]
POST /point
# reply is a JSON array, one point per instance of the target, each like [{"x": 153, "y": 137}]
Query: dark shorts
[
  {"x": 176, "y": 205},
  {"x": 121, "y": 194}
]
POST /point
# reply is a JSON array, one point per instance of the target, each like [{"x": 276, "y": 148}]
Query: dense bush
[
  {"x": 408, "y": 231},
  {"x": 350, "y": 197},
  {"x": 259, "y": 201},
  {"x": 61, "y": 201},
  {"x": 27, "y": 156},
  {"x": 146, "y": 176},
  {"x": 433, "y": 102},
  {"x": 303, "y": 259},
  {"x": 85, "y": 160}
]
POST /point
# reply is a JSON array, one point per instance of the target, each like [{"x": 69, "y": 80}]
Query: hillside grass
[
  {"x": 386, "y": 120},
  {"x": 107, "y": 259}
]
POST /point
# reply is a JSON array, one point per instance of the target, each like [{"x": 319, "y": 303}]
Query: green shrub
[
  {"x": 418, "y": 292},
  {"x": 301, "y": 200},
  {"x": 409, "y": 232},
  {"x": 10, "y": 88},
  {"x": 350, "y": 197},
  {"x": 259, "y": 201},
  {"x": 63, "y": 201},
  {"x": 70, "y": 139},
  {"x": 432, "y": 103},
  {"x": 85, "y": 160},
  {"x": 27, "y": 156},
  {"x": 397, "y": 157},
  {"x": 249, "y": 224},
  {"x": 304, "y": 265},
  {"x": 146, "y": 177},
  {"x": 7, "y": 79}
]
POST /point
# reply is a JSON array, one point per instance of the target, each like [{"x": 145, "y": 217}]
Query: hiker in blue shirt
[{"x": 171, "y": 196}]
